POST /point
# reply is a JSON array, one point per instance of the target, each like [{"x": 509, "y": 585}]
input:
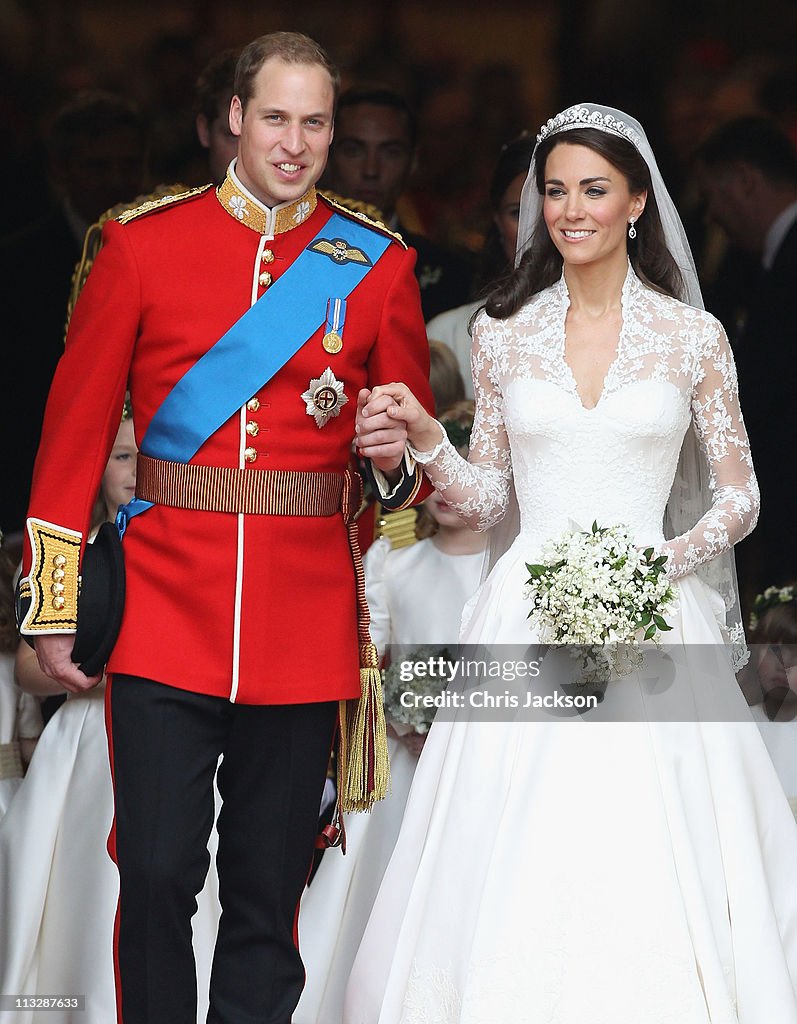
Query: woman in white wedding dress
[
  {"x": 415, "y": 596},
  {"x": 593, "y": 870}
]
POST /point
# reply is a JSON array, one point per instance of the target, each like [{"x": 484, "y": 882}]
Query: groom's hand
[
  {"x": 54, "y": 652},
  {"x": 387, "y": 417},
  {"x": 380, "y": 437}
]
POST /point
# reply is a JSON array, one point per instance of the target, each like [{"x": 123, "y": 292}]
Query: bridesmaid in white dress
[
  {"x": 20, "y": 713},
  {"x": 770, "y": 680},
  {"x": 58, "y": 885},
  {"x": 452, "y": 326},
  {"x": 594, "y": 870},
  {"x": 415, "y": 596}
]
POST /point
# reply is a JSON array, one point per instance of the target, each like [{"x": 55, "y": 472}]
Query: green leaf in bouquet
[
  {"x": 536, "y": 571},
  {"x": 661, "y": 623},
  {"x": 650, "y": 632},
  {"x": 648, "y": 553},
  {"x": 660, "y": 560},
  {"x": 645, "y": 618}
]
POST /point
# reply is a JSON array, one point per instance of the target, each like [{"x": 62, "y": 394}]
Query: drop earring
[{"x": 631, "y": 228}]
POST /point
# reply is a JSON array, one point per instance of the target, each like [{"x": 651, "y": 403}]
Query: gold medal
[
  {"x": 332, "y": 342},
  {"x": 333, "y": 332}
]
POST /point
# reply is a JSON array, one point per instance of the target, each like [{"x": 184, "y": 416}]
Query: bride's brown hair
[{"x": 541, "y": 266}]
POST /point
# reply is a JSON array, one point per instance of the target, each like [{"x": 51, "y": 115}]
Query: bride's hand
[{"x": 387, "y": 417}]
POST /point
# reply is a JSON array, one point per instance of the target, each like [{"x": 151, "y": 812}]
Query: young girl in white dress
[
  {"x": 58, "y": 885},
  {"x": 415, "y": 596},
  {"x": 20, "y": 713},
  {"x": 592, "y": 870},
  {"x": 770, "y": 679}
]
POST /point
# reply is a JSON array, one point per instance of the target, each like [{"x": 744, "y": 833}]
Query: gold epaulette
[
  {"x": 364, "y": 212},
  {"x": 93, "y": 241},
  {"x": 155, "y": 202}
]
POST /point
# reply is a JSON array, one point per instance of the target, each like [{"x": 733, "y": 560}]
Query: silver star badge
[{"x": 324, "y": 398}]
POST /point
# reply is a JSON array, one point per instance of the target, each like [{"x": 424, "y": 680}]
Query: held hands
[
  {"x": 388, "y": 417},
  {"x": 54, "y": 652}
]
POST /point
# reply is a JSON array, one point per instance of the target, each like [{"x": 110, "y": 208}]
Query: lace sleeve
[
  {"x": 717, "y": 419},
  {"x": 476, "y": 488}
]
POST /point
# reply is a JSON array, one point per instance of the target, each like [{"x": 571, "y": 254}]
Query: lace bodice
[{"x": 615, "y": 462}]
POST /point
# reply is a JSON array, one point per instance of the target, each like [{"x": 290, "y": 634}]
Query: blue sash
[{"x": 258, "y": 345}]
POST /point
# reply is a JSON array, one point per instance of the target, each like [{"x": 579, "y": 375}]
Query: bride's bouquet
[
  {"x": 597, "y": 591},
  {"x": 412, "y": 687}
]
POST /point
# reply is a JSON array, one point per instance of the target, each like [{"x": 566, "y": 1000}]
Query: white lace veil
[{"x": 691, "y": 495}]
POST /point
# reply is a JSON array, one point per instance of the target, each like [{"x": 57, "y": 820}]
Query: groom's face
[{"x": 284, "y": 130}]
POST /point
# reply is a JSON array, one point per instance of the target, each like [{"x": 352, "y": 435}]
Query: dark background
[{"x": 476, "y": 73}]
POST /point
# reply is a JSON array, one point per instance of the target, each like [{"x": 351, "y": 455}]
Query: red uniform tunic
[{"x": 257, "y": 608}]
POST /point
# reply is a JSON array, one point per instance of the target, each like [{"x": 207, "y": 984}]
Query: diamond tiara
[{"x": 583, "y": 117}]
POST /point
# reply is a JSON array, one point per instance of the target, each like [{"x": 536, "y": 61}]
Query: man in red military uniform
[{"x": 240, "y": 628}]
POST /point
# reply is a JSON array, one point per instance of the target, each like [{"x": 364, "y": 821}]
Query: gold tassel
[{"x": 363, "y": 763}]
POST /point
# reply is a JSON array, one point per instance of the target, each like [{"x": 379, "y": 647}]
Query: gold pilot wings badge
[{"x": 339, "y": 251}]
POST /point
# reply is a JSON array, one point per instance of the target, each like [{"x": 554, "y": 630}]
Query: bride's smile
[{"x": 587, "y": 205}]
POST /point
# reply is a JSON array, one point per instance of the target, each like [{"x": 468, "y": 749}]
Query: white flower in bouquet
[
  {"x": 422, "y": 666},
  {"x": 596, "y": 588}
]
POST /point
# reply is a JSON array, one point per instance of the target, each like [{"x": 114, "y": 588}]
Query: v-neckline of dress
[{"x": 610, "y": 370}]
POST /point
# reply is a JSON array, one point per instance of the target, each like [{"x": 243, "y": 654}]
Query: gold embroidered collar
[{"x": 239, "y": 202}]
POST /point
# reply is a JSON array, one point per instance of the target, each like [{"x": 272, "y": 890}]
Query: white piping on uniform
[
  {"x": 236, "y": 638},
  {"x": 239, "y": 567}
]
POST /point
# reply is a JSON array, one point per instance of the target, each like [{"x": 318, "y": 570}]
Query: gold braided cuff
[{"x": 54, "y": 580}]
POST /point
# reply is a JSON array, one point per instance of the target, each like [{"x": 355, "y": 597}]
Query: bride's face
[{"x": 587, "y": 205}]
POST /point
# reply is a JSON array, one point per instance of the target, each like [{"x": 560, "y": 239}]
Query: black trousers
[{"x": 165, "y": 746}]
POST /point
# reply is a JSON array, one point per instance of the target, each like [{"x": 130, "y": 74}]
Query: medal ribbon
[{"x": 336, "y": 318}]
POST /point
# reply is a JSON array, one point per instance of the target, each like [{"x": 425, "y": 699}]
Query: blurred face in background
[
  {"x": 729, "y": 201},
  {"x": 443, "y": 514},
  {"x": 777, "y": 666},
  {"x": 119, "y": 479},
  {"x": 101, "y": 171},
  {"x": 506, "y": 217},
  {"x": 372, "y": 156},
  {"x": 215, "y": 136}
]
